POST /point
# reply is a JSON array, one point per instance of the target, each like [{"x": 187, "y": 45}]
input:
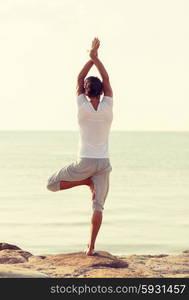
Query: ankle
[{"x": 90, "y": 247}]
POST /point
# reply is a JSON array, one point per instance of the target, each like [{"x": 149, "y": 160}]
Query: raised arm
[
  {"x": 105, "y": 77},
  {"x": 81, "y": 77}
]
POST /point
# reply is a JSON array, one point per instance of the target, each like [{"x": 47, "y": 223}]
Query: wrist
[{"x": 94, "y": 58}]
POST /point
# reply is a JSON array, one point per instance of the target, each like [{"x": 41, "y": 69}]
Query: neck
[{"x": 95, "y": 99}]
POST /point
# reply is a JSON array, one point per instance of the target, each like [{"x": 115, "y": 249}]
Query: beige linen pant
[{"x": 98, "y": 169}]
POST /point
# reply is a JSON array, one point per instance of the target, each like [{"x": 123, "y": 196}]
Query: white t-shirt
[{"x": 94, "y": 126}]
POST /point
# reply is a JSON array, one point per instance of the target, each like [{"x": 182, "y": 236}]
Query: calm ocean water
[{"x": 146, "y": 211}]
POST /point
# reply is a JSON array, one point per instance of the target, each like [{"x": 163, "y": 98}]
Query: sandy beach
[{"x": 18, "y": 263}]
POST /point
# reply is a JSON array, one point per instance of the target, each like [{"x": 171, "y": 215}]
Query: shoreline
[{"x": 18, "y": 263}]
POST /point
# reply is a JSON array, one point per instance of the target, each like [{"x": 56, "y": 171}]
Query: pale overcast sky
[{"x": 144, "y": 46}]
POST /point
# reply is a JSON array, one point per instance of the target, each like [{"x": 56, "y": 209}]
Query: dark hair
[{"x": 95, "y": 87}]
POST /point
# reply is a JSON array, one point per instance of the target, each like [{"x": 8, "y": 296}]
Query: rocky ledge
[{"x": 17, "y": 263}]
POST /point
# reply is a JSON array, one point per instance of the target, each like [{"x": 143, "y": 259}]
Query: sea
[{"x": 146, "y": 210}]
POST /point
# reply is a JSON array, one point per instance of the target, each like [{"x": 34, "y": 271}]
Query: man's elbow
[
  {"x": 80, "y": 77},
  {"x": 106, "y": 79}
]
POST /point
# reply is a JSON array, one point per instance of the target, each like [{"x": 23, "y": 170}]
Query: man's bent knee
[{"x": 53, "y": 187}]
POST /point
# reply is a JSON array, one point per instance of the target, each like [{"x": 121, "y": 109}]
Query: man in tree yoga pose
[{"x": 93, "y": 167}]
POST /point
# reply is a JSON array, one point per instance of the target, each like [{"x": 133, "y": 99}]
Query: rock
[
  {"x": 7, "y": 271},
  {"x": 170, "y": 266},
  {"x": 76, "y": 264},
  {"x": 14, "y": 262},
  {"x": 8, "y": 246},
  {"x": 81, "y": 260},
  {"x": 9, "y": 256}
]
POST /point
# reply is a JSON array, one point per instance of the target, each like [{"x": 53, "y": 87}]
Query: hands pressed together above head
[
  {"x": 94, "y": 60},
  {"x": 93, "y": 53}
]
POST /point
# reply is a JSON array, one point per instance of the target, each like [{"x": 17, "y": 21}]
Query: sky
[{"x": 144, "y": 47}]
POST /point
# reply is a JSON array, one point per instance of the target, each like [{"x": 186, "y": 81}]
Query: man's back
[{"x": 94, "y": 127}]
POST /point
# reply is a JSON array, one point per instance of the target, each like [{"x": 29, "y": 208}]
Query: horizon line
[{"x": 69, "y": 130}]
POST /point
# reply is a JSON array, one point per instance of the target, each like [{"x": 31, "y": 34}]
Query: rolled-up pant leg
[{"x": 101, "y": 188}]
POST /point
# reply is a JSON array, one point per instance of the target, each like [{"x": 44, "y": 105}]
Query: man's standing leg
[
  {"x": 101, "y": 188},
  {"x": 96, "y": 222}
]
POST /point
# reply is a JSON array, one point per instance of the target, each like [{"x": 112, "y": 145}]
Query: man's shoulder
[
  {"x": 81, "y": 98},
  {"x": 107, "y": 99}
]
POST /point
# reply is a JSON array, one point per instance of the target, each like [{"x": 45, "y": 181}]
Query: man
[{"x": 92, "y": 168}]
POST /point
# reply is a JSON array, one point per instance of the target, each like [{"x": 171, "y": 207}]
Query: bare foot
[{"x": 89, "y": 251}]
